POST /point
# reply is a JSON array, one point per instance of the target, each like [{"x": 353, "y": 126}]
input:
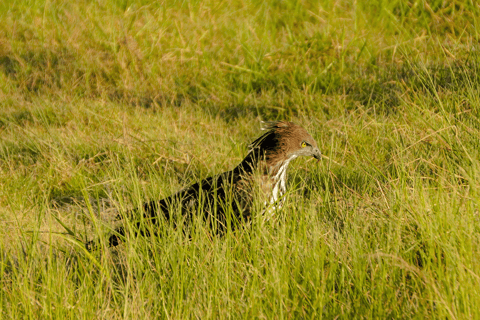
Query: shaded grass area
[{"x": 106, "y": 105}]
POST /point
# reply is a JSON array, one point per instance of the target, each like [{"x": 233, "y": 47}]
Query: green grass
[{"x": 105, "y": 105}]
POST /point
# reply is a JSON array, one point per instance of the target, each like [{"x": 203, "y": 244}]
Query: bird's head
[{"x": 283, "y": 142}]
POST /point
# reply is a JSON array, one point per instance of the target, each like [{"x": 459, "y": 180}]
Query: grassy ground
[{"x": 106, "y": 104}]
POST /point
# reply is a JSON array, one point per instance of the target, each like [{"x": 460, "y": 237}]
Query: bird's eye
[{"x": 304, "y": 144}]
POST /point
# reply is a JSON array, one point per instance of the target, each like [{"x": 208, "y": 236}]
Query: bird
[{"x": 227, "y": 199}]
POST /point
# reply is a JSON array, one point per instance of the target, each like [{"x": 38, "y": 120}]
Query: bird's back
[{"x": 224, "y": 201}]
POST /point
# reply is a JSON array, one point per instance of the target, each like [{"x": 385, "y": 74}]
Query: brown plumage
[{"x": 227, "y": 199}]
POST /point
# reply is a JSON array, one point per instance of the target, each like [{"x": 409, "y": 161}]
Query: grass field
[{"x": 107, "y": 104}]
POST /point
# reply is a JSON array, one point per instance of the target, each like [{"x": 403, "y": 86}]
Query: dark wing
[
  {"x": 223, "y": 200},
  {"x": 217, "y": 199}
]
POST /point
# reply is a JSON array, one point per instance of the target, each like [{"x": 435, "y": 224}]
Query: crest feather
[{"x": 270, "y": 125}]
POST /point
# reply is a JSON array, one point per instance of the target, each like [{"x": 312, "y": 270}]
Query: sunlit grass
[{"x": 106, "y": 105}]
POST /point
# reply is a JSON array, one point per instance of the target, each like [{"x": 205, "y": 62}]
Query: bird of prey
[{"x": 228, "y": 198}]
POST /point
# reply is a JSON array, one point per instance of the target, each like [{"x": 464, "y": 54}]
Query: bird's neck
[
  {"x": 279, "y": 177},
  {"x": 270, "y": 173}
]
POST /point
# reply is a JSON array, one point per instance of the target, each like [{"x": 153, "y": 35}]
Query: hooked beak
[{"x": 317, "y": 154}]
